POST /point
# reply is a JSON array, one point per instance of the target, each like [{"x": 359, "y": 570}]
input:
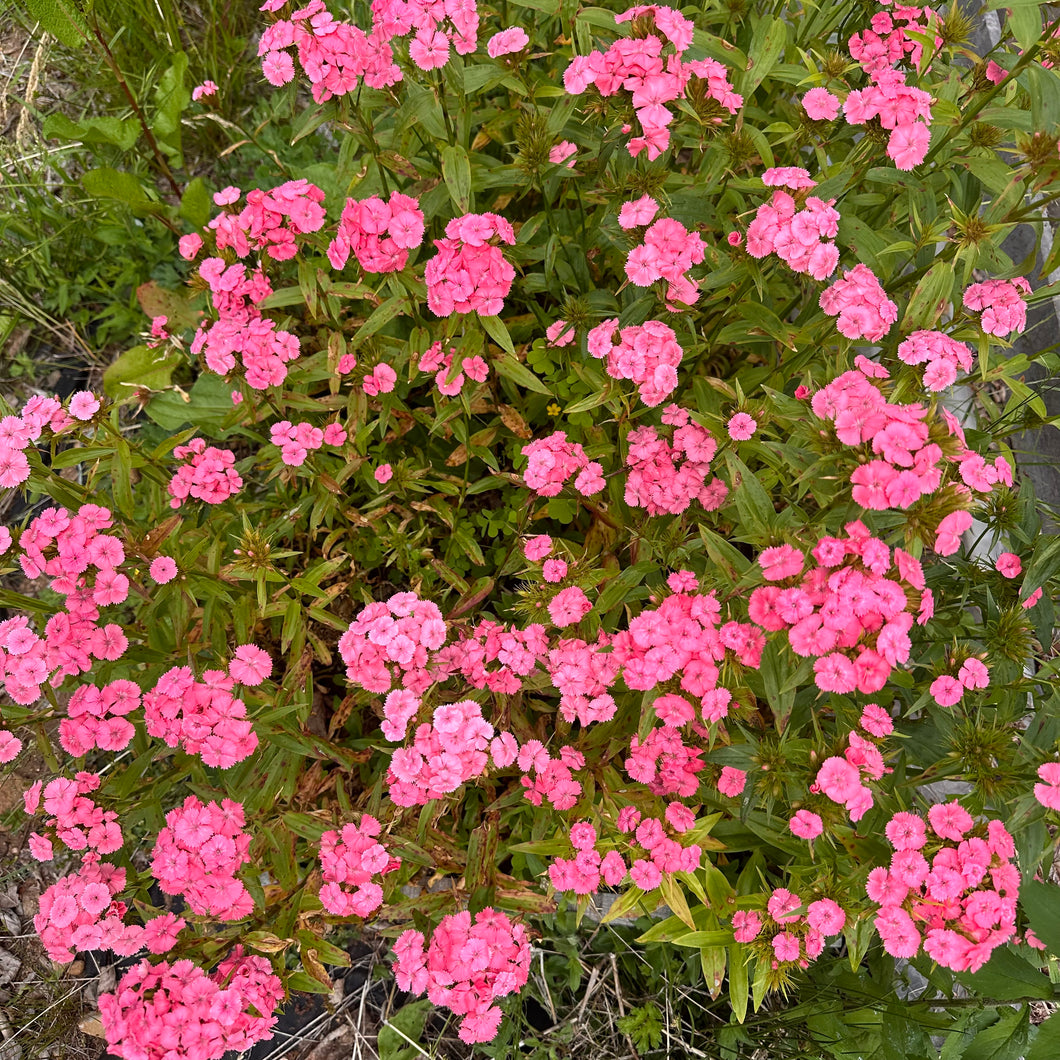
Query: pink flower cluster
[
  {"x": 445, "y": 752},
  {"x": 647, "y": 353},
  {"x": 65, "y": 547},
  {"x": 582, "y": 873},
  {"x": 582, "y": 673},
  {"x": 390, "y": 638},
  {"x": 469, "y": 274},
  {"x": 669, "y": 250},
  {"x": 467, "y": 966},
  {"x": 846, "y": 603},
  {"x": 942, "y": 354},
  {"x": 908, "y": 465},
  {"x": 667, "y": 476},
  {"x": 438, "y": 26},
  {"x": 197, "y": 855},
  {"x": 638, "y": 65},
  {"x": 1001, "y": 304},
  {"x": 77, "y": 822},
  {"x": 80, "y": 911},
  {"x": 794, "y": 938},
  {"x": 241, "y": 329},
  {"x": 664, "y": 763},
  {"x": 544, "y": 777},
  {"x": 17, "y": 432},
  {"x": 841, "y": 777},
  {"x": 903, "y": 109},
  {"x": 861, "y": 304},
  {"x": 296, "y": 440},
  {"x": 209, "y": 474},
  {"x": 954, "y": 891},
  {"x": 801, "y": 238},
  {"x": 515, "y": 652},
  {"x": 948, "y": 690},
  {"x": 160, "y": 1011},
  {"x": 435, "y": 360},
  {"x": 886, "y": 43},
  {"x": 347, "y": 864},
  {"x": 203, "y": 717},
  {"x": 334, "y": 55},
  {"x": 270, "y": 221},
  {"x": 96, "y": 718},
  {"x": 553, "y": 460},
  {"x": 379, "y": 233}
]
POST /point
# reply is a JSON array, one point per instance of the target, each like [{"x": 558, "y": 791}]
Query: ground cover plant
[{"x": 575, "y": 461}]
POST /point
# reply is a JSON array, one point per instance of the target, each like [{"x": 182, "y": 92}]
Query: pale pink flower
[
  {"x": 383, "y": 474},
  {"x": 820, "y": 104},
  {"x": 506, "y": 42},
  {"x": 163, "y": 569},
  {"x": 741, "y": 427}
]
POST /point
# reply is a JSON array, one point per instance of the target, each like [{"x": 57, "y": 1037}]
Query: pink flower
[
  {"x": 506, "y": 42},
  {"x": 741, "y": 427},
  {"x": 806, "y": 825},
  {"x": 383, "y": 474},
  {"x": 163, "y": 569},
  {"x": 429, "y": 49},
  {"x": 734, "y": 239},
  {"x": 1033, "y": 598},
  {"x": 908, "y": 144},
  {"x": 637, "y": 212},
  {"x": 732, "y": 781},
  {"x": 189, "y": 246},
  {"x": 950, "y": 820},
  {"x": 746, "y": 925},
  {"x": 1008, "y": 563},
  {"x": 569, "y": 606},
  {"x": 537, "y": 547},
  {"x": 946, "y": 690},
  {"x": 10, "y": 745},
  {"x": 820, "y": 104},
  {"x": 84, "y": 405},
  {"x": 561, "y": 152},
  {"x": 645, "y": 874},
  {"x": 948, "y": 536},
  {"x": 876, "y": 721},
  {"x": 251, "y": 665},
  {"x": 207, "y": 88}
]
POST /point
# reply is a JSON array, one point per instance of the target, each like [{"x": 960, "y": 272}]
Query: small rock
[{"x": 9, "y": 966}]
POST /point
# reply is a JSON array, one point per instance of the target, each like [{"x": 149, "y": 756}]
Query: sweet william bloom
[
  {"x": 876, "y": 721},
  {"x": 163, "y": 569},
  {"x": 383, "y": 474},
  {"x": 506, "y": 42},
  {"x": 561, "y": 152},
  {"x": 1033, "y": 598},
  {"x": 821, "y": 105},
  {"x": 637, "y": 212},
  {"x": 207, "y": 88},
  {"x": 10, "y": 745},
  {"x": 950, "y": 820},
  {"x": 948, "y": 536},
  {"x": 1048, "y": 792},
  {"x": 741, "y": 427},
  {"x": 908, "y": 144},
  {"x": 429, "y": 49},
  {"x": 569, "y": 606},
  {"x": 84, "y": 405},
  {"x": 1008, "y": 563},
  {"x": 251, "y": 665},
  {"x": 806, "y": 825},
  {"x": 946, "y": 690},
  {"x": 537, "y": 547},
  {"x": 189, "y": 246},
  {"x": 732, "y": 781}
]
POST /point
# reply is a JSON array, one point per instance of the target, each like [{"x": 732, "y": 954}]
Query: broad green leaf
[
  {"x": 119, "y": 132},
  {"x": 1046, "y": 1043},
  {"x": 497, "y": 331},
  {"x": 456, "y": 172},
  {"x": 207, "y": 405},
  {"x": 1008, "y": 977},
  {"x": 767, "y": 45},
  {"x": 108, "y": 183},
  {"x": 195, "y": 203},
  {"x": 62, "y": 19},
  {"x": 171, "y": 99},
  {"x": 738, "y": 982},
  {"x": 930, "y": 298}
]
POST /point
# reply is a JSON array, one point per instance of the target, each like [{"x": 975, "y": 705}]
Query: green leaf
[
  {"x": 405, "y": 1026},
  {"x": 930, "y": 298},
  {"x": 207, "y": 405},
  {"x": 1041, "y": 903},
  {"x": 119, "y": 132},
  {"x": 137, "y": 367},
  {"x": 195, "y": 203},
  {"x": 62, "y": 19},
  {"x": 1008, "y": 977},
  {"x": 171, "y": 99},
  {"x": 1046, "y": 1044},
  {"x": 1004, "y": 1040},
  {"x": 303, "y": 983},
  {"x": 738, "y": 982},
  {"x": 753, "y": 503},
  {"x": 456, "y": 172},
  {"x": 767, "y": 44},
  {"x": 107, "y": 183},
  {"x": 497, "y": 331},
  {"x": 516, "y": 372},
  {"x": 381, "y": 316}
]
